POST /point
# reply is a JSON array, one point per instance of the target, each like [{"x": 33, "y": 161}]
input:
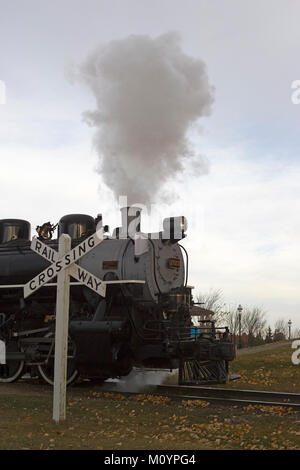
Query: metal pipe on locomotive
[{"x": 146, "y": 325}]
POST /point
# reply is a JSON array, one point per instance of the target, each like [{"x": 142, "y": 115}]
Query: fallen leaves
[
  {"x": 110, "y": 420},
  {"x": 273, "y": 410},
  {"x": 112, "y": 395},
  {"x": 192, "y": 403},
  {"x": 152, "y": 399}
]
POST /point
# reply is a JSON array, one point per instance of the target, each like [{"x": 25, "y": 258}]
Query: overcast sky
[{"x": 243, "y": 234}]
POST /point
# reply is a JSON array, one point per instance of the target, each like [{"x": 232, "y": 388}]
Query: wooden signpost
[
  {"x": 2, "y": 353},
  {"x": 63, "y": 266}
]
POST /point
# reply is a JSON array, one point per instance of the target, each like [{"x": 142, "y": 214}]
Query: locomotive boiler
[{"x": 145, "y": 320}]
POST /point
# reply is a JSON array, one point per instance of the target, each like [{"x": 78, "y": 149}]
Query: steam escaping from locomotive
[
  {"x": 139, "y": 380},
  {"x": 148, "y": 94}
]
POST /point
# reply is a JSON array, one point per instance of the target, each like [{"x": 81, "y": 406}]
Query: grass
[
  {"x": 110, "y": 421},
  {"x": 268, "y": 370},
  {"x": 98, "y": 420}
]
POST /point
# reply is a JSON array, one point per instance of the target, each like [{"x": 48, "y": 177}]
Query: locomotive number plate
[{"x": 173, "y": 263}]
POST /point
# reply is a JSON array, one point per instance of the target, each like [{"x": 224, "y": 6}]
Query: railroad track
[
  {"x": 221, "y": 396},
  {"x": 230, "y": 396}
]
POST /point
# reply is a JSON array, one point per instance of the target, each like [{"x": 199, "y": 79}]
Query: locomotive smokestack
[{"x": 131, "y": 221}]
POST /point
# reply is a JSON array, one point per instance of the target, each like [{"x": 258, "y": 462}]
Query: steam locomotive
[{"x": 146, "y": 325}]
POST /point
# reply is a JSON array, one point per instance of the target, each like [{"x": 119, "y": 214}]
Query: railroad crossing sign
[
  {"x": 66, "y": 262},
  {"x": 63, "y": 266}
]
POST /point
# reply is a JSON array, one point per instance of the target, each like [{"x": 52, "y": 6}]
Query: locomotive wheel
[
  {"x": 46, "y": 370},
  {"x": 12, "y": 370}
]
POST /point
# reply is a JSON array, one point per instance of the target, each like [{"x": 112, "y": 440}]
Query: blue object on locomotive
[{"x": 195, "y": 333}]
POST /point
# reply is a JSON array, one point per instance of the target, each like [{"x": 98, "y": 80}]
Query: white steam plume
[
  {"x": 140, "y": 380},
  {"x": 148, "y": 93}
]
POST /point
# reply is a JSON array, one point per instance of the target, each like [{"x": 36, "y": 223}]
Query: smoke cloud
[{"x": 148, "y": 94}]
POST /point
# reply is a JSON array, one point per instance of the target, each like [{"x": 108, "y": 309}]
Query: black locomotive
[{"x": 137, "y": 325}]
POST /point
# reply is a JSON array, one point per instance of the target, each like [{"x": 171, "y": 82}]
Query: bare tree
[
  {"x": 253, "y": 319},
  {"x": 281, "y": 330},
  {"x": 253, "y": 323},
  {"x": 231, "y": 319},
  {"x": 213, "y": 300}
]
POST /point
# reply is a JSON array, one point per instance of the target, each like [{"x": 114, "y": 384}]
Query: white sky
[{"x": 244, "y": 225}]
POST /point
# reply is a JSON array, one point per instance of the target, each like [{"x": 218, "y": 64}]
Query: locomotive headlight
[{"x": 174, "y": 228}]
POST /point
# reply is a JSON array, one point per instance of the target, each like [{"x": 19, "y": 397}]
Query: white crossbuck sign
[{"x": 67, "y": 261}]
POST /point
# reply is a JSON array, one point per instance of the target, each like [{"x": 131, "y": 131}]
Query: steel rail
[{"x": 231, "y": 396}]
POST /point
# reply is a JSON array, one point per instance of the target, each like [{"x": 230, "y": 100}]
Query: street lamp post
[
  {"x": 240, "y": 309},
  {"x": 290, "y": 325}
]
